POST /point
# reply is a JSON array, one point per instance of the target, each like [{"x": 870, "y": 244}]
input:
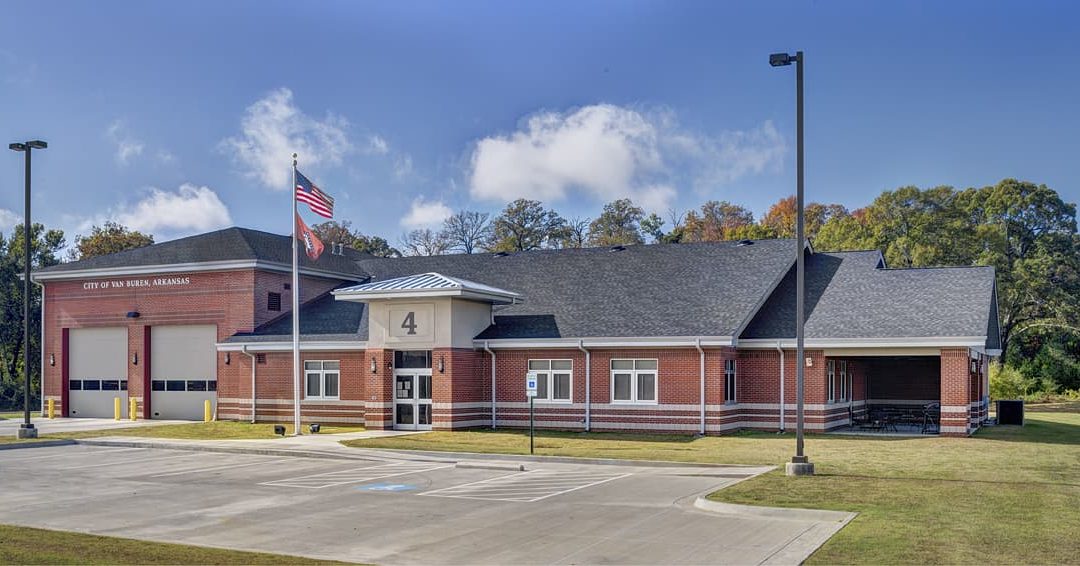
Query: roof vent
[
  {"x": 499, "y": 254},
  {"x": 618, "y": 248},
  {"x": 745, "y": 243}
]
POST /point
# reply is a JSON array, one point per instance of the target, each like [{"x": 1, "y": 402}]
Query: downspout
[
  {"x": 782, "y": 410},
  {"x": 244, "y": 349},
  {"x": 488, "y": 349},
  {"x": 41, "y": 344},
  {"x": 588, "y": 385},
  {"x": 701, "y": 353}
]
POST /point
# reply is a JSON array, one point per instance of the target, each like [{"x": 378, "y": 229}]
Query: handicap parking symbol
[{"x": 387, "y": 487}]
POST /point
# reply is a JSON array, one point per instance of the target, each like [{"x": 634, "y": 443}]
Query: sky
[{"x": 177, "y": 118}]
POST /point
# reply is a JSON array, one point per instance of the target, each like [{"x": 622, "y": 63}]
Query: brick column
[
  {"x": 460, "y": 395},
  {"x": 378, "y": 389},
  {"x": 955, "y": 392}
]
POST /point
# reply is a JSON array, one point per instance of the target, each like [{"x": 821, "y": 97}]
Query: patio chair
[{"x": 931, "y": 418}]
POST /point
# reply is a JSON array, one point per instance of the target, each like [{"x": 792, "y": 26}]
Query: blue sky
[{"x": 178, "y": 117}]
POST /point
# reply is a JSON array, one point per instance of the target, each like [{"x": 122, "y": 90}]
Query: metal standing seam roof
[{"x": 424, "y": 282}]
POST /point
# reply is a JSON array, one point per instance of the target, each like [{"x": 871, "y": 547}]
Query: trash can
[{"x": 1010, "y": 412}]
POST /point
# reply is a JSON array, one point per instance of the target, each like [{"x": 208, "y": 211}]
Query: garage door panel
[
  {"x": 183, "y": 367},
  {"x": 98, "y": 371}
]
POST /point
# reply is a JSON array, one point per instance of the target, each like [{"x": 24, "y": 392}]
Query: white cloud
[
  {"x": 378, "y": 145},
  {"x": 167, "y": 214},
  {"x": 403, "y": 167},
  {"x": 273, "y": 128},
  {"x": 8, "y": 219},
  {"x": 127, "y": 147},
  {"x": 608, "y": 152},
  {"x": 426, "y": 214}
]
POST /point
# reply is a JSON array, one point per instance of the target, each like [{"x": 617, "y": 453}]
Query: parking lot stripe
[
  {"x": 526, "y": 486},
  {"x": 215, "y": 468},
  {"x": 127, "y": 462},
  {"x": 586, "y": 485},
  {"x": 356, "y": 475},
  {"x": 70, "y": 454}
]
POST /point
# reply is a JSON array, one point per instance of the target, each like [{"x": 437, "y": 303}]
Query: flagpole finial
[{"x": 294, "y": 159}]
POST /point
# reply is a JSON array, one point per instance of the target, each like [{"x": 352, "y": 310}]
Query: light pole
[
  {"x": 27, "y": 430},
  {"x": 799, "y": 465}
]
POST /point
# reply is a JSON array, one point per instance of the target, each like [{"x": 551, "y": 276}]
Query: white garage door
[
  {"x": 97, "y": 371},
  {"x": 183, "y": 370}
]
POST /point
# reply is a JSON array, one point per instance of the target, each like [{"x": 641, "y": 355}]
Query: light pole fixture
[
  {"x": 26, "y": 429},
  {"x": 800, "y": 464}
]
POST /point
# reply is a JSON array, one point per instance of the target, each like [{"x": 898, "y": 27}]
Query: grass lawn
[
  {"x": 25, "y": 545},
  {"x": 214, "y": 430},
  {"x": 12, "y": 415},
  {"x": 1007, "y": 494}
]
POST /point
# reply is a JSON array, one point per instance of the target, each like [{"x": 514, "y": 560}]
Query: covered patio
[{"x": 903, "y": 396}]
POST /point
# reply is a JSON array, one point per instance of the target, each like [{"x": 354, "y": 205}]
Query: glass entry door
[{"x": 412, "y": 399}]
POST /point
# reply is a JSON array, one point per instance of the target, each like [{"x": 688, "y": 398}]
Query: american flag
[{"x": 319, "y": 202}]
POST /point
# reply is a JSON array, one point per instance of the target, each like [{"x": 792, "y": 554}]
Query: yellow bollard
[
  {"x": 206, "y": 411},
  {"x": 52, "y": 408},
  {"x": 133, "y": 408},
  {"x": 116, "y": 408}
]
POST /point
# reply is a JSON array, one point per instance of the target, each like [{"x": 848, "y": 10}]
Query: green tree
[
  {"x": 619, "y": 223},
  {"x": 107, "y": 239},
  {"x": 335, "y": 232},
  {"x": 45, "y": 248},
  {"x": 526, "y": 225}
]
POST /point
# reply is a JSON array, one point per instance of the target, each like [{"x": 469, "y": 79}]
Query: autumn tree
[
  {"x": 526, "y": 225},
  {"x": 334, "y": 232},
  {"x": 781, "y": 217},
  {"x": 575, "y": 234},
  {"x": 619, "y": 223},
  {"x": 107, "y": 239},
  {"x": 424, "y": 242},
  {"x": 716, "y": 221}
]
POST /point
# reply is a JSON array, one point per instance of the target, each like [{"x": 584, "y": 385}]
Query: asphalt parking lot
[{"x": 392, "y": 511}]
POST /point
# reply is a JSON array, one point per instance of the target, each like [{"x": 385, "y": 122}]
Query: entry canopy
[{"x": 427, "y": 285}]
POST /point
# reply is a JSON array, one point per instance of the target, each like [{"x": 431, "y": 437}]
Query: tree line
[{"x": 1025, "y": 230}]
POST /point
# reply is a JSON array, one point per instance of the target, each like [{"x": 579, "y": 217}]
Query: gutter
[
  {"x": 702, "y": 353},
  {"x": 588, "y": 385},
  {"x": 782, "y": 408},
  {"x": 41, "y": 344},
  {"x": 252, "y": 356},
  {"x": 490, "y": 351}
]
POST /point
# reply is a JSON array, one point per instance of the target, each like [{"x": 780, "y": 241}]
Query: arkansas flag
[{"x": 313, "y": 247}]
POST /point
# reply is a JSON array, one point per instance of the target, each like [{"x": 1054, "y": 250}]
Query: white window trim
[
  {"x": 843, "y": 380},
  {"x": 735, "y": 380},
  {"x": 550, "y": 373},
  {"x": 634, "y": 381},
  {"x": 830, "y": 381},
  {"x": 322, "y": 380}
]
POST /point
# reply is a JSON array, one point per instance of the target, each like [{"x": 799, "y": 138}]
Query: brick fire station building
[{"x": 688, "y": 338}]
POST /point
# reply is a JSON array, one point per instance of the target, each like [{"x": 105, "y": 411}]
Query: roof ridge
[{"x": 928, "y": 267}]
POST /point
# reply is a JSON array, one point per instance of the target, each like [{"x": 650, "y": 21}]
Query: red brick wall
[{"x": 955, "y": 391}]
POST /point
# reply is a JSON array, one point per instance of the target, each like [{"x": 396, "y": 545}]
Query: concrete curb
[
  {"x": 751, "y": 469},
  {"x": 36, "y": 444},
  {"x": 794, "y": 514},
  {"x": 301, "y": 453}
]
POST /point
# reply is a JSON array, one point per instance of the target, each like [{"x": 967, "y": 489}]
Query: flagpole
[{"x": 295, "y": 310}]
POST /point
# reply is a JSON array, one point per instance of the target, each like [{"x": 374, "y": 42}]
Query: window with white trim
[
  {"x": 554, "y": 380},
  {"x": 633, "y": 381},
  {"x": 831, "y": 388},
  {"x": 843, "y": 380},
  {"x": 729, "y": 381},
  {"x": 321, "y": 379}
]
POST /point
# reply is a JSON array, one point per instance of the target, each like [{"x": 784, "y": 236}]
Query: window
[
  {"x": 554, "y": 381},
  {"x": 843, "y": 380},
  {"x": 321, "y": 379},
  {"x": 729, "y": 381},
  {"x": 831, "y": 387},
  {"x": 75, "y": 385},
  {"x": 273, "y": 301},
  {"x": 633, "y": 381},
  {"x": 412, "y": 359}
]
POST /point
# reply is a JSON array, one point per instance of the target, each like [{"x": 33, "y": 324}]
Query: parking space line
[
  {"x": 526, "y": 487},
  {"x": 126, "y": 462},
  {"x": 215, "y": 468},
  {"x": 356, "y": 475}
]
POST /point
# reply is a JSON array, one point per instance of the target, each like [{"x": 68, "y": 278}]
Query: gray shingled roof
[
  {"x": 700, "y": 289},
  {"x": 229, "y": 244},
  {"x": 847, "y": 296},
  {"x": 322, "y": 318}
]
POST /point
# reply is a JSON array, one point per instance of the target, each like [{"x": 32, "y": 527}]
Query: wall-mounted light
[
  {"x": 442, "y": 365},
  {"x": 133, "y": 314},
  {"x": 374, "y": 365},
  {"x": 809, "y": 362},
  {"x": 389, "y": 366},
  {"x": 228, "y": 358},
  {"x": 52, "y": 359},
  {"x": 134, "y": 358}
]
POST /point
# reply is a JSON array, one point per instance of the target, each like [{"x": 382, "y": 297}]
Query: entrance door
[{"x": 412, "y": 399}]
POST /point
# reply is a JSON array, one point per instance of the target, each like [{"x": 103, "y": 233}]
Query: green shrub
[{"x": 1006, "y": 382}]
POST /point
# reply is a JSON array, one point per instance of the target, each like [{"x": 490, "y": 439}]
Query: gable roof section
[
  {"x": 426, "y": 285},
  {"x": 849, "y": 297},
  {"x": 660, "y": 290},
  {"x": 221, "y": 247},
  {"x": 321, "y": 319}
]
